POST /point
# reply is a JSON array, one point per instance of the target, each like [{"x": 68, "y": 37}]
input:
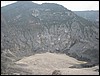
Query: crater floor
[{"x": 46, "y": 63}]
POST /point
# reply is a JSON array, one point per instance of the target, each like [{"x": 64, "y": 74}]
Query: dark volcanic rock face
[{"x": 28, "y": 28}]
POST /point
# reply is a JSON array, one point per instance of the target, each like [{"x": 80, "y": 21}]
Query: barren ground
[{"x": 46, "y": 63}]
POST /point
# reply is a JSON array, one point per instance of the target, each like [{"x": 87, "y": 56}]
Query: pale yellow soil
[{"x": 46, "y": 63}]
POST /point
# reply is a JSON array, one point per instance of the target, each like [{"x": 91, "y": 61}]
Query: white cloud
[{"x": 71, "y": 5}]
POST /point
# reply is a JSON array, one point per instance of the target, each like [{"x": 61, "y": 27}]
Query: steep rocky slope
[{"x": 28, "y": 28}]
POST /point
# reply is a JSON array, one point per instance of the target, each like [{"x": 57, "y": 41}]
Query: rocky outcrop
[{"x": 56, "y": 72}]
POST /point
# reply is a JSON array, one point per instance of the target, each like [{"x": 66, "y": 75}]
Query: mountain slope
[
  {"x": 89, "y": 15},
  {"x": 28, "y": 28}
]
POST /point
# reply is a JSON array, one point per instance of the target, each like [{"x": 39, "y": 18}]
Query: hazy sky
[{"x": 71, "y": 5}]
